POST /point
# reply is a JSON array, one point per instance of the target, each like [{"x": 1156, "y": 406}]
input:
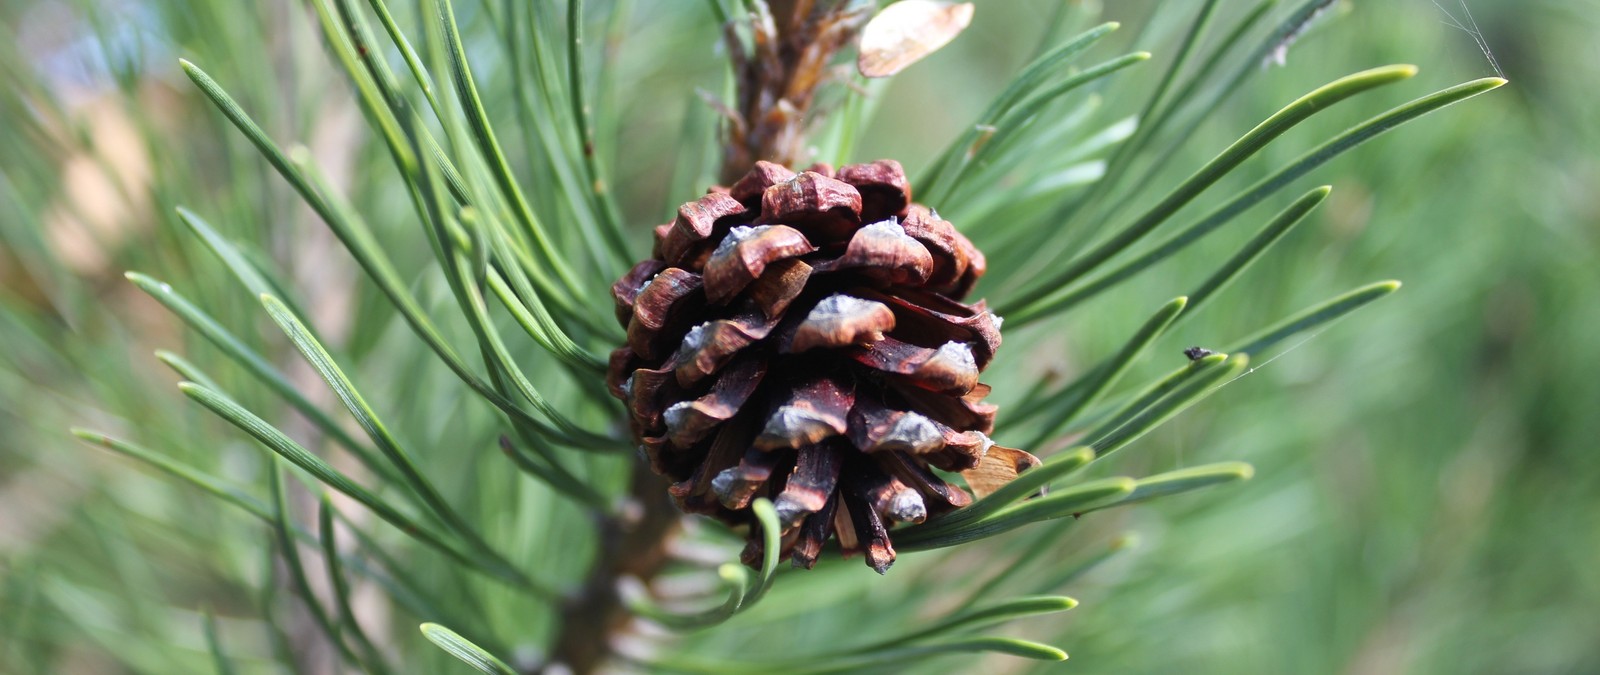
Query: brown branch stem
[
  {"x": 790, "y": 56},
  {"x": 632, "y": 544}
]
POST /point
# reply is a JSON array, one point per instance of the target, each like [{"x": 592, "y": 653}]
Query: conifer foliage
[{"x": 505, "y": 432}]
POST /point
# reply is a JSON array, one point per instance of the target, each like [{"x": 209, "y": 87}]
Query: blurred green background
[{"x": 1426, "y": 498}]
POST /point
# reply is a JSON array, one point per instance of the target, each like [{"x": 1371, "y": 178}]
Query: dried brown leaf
[
  {"x": 998, "y": 467},
  {"x": 905, "y": 32}
]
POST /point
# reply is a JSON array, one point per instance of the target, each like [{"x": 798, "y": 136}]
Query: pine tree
[{"x": 456, "y": 431}]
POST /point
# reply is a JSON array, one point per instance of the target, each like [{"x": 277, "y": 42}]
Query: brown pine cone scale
[{"x": 801, "y": 337}]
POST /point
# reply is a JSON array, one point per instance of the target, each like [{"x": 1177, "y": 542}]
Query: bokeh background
[{"x": 1427, "y": 489}]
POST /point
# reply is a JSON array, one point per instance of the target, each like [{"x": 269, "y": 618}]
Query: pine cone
[{"x": 801, "y": 337}]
